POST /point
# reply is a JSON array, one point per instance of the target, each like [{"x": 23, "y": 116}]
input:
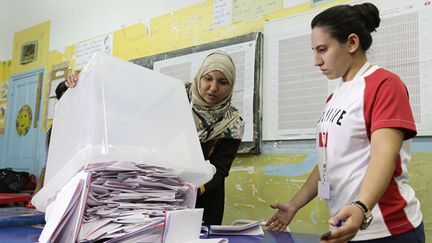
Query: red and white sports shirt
[{"x": 377, "y": 99}]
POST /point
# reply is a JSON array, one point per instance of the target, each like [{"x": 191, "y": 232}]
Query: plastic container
[{"x": 121, "y": 111}]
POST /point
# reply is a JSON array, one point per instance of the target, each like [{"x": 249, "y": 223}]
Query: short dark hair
[
  {"x": 61, "y": 88},
  {"x": 342, "y": 20}
]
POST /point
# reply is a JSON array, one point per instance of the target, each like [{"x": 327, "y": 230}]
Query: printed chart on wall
[
  {"x": 3, "y": 105},
  {"x": 59, "y": 73},
  {"x": 294, "y": 91},
  {"x": 185, "y": 67}
]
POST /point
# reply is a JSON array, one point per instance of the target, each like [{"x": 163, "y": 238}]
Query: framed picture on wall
[{"x": 29, "y": 52}]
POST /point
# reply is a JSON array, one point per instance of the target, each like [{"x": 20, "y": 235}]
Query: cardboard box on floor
[{"x": 121, "y": 111}]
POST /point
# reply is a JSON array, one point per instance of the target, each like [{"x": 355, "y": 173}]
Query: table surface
[
  {"x": 273, "y": 237},
  {"x": 20, "y": 234},
  {"x": 31, "y": 234},
  {"x": 20, "y": 216}
]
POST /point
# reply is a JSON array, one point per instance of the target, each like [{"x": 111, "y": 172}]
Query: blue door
[{"x": 23, "y": 122}]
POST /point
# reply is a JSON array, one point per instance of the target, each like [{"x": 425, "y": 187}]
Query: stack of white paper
[
  {"x": 66, "y": 211},
  {"x": 125, "y": 197},
  {"x": 117, "y": 201},
  {"x": 238, "y": 227}
]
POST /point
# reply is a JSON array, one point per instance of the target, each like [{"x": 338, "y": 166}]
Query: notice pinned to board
[
  {"x": 243, "y": 10},
  {"x": 292, "y": 3},
  {"x": 222, "y": 12},
  {"x": 86, "y": 49}
]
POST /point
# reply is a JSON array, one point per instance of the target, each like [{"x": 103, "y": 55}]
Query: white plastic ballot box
[{"x": 122, "y": 111}]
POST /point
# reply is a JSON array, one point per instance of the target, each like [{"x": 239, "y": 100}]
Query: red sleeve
[
  {"x": 387, "y": 104},
  {"x": 329, "y": 97}
]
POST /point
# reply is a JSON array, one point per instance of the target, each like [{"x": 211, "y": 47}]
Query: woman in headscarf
[{"x": 219, "y": 126}]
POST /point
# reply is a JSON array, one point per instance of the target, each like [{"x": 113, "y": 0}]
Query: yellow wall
[
  {"x": 40, "y": 33},
  {"x": 189, "y": 27},
  {"x": 5, "y": 67},
  {"x": 184, "y": 28}
]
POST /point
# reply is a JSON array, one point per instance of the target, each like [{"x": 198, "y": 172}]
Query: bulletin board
[
  {"x": 246, "y": 52},
  {"x": 58, "y": 74},
  {"x": 294, "y": 91}
]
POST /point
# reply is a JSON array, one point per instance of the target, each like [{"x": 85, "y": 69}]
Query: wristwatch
[{"x": 366, "y": 212}]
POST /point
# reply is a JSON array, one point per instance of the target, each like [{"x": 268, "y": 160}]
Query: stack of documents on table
[
  {"x": 238, "y": 227},
  {"x": 118, "y": 201},
  {"x": 125, "y": 197}
]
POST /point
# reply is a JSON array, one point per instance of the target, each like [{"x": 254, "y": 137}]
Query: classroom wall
[
  {"x": 4, "y": 77},
  {"x": 255, "y": 181},
  {"x": 41, "y": 34},
  {"x": 3, "y": 16},
  {"x": 4, "y": 73},
  {"x": 75, "y": 21},
  {"x": 58, "y": 26}
]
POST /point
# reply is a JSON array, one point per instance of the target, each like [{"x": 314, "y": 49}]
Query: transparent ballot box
[{"x": 121, "y": 111}]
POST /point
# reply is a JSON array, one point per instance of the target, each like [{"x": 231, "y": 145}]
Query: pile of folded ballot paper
[{"x": 125, "y": 198}]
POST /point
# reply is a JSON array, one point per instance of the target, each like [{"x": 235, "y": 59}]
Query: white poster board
[{"x": 294, "y": 91}]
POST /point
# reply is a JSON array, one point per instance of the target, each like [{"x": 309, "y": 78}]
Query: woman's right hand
[
  {"x": 72, "y": 80},
  {"x": 282, "y": 218}
]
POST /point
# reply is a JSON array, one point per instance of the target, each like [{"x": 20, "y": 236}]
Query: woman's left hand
[
  {"x": 72, "y": 79},
  {"x": 352, "y": 218}
]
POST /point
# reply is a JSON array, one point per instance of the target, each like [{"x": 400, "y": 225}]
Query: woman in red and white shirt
[{"x": 363, "y": 139}]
